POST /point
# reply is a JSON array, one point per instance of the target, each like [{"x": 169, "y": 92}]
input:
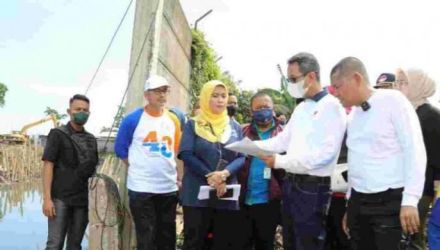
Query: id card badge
[{"x": 267, "y": 173}]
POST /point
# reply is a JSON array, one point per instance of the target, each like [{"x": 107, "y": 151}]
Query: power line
[
  {"x": 108, "y": 47},
  {"x": 129, "y": 82}
]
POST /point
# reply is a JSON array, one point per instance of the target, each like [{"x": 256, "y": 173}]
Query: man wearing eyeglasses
[
  {"x": 147, "y": 142},
  {"x": 312, "y": 140}
]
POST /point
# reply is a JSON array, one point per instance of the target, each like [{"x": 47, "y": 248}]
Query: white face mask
[{"x": 296, "y": 90}]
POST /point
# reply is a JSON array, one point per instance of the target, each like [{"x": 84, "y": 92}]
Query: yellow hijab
[{"x": 207, "y": 122}]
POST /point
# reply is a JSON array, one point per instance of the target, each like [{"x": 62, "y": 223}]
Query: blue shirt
[
  {"x": 435, "y": 213},
  {"x": 258, "y": 187},
  {"x": 201, "y": 158}
]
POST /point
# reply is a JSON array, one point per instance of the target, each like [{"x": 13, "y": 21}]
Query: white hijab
[{"x": 419, "y": 86}]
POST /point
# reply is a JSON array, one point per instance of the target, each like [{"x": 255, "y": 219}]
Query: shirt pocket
[{"x": 68, "y": 153}]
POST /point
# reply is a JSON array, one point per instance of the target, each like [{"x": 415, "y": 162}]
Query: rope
[
  {"x": 112, "y": 195},
  {"x": 108, "y": 47}
]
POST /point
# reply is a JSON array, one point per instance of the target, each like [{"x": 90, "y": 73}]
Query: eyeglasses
[
  {"x": 161, "y": 91},
  {"x": 295, "y": 79},
  {"x": 298, "y": 78}
]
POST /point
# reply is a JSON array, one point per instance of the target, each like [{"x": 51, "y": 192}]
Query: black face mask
[{"x": 232, "y": 110}]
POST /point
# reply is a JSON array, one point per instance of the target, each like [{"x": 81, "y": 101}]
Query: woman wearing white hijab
[{"x": 417, "y": 86}]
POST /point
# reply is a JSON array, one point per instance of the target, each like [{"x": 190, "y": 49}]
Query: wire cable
[
  {"x": 129, "y": 83},
  {"x": 108, "y": 47}
]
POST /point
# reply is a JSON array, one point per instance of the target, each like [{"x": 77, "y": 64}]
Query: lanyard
[{"x": 221, "y": 164}]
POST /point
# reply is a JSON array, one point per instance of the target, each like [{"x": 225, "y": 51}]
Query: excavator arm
[
  {"x": 26, "y": 127},
  {"x": 20, "y": 137}
]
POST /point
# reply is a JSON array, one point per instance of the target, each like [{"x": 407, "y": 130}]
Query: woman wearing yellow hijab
[
  {"x": 207, "y": 162},
  {"x": 417, "y": 86}
]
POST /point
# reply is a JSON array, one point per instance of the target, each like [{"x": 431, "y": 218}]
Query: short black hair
[
  {"x": 349, "y": 65},
  {"x": 307, "y": 63},
  {"x": 259, "y": 94},
  {"x": 79, "y": 97}
]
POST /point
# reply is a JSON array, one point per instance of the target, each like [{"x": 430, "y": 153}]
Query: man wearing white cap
[{"x": 147, "y": 141}]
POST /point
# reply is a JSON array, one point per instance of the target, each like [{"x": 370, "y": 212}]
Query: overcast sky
[{"x": 50, "y": 49}]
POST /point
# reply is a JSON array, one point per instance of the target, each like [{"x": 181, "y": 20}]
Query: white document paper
[
  {"x": 249, "y": 147},
  {"x": 204, "y": 192}
]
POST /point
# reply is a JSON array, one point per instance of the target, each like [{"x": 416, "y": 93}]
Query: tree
[
  {"x": 119, "y": 116},
  {"x": 244, "y": 114},
  {"x": 3, "y": 90},
  {"x": 117, "y": 120},
  {"x": 51, "y": 111},
  {"x": 282, "y": 103},
  {"x": 205, "y": 68},
  {"x": 203, "y": 65}
]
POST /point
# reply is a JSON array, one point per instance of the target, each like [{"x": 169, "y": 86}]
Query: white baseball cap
[{"x": 154, "y": 82}]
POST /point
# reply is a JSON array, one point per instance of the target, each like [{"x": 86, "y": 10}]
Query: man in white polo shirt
[
  {"x": 147, "y": 141},
  {"x": 312, "y": 140},
  {"x": 386, "y": 160}
]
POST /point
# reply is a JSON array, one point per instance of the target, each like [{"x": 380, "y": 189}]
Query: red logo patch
[{"x": 382, "y": 78}]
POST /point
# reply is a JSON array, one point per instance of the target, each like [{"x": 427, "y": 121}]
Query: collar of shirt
[
  {"x": 69, "y": 126},
  {"x": 259, "y": 132},
  {"x": 318, "y": 96}
]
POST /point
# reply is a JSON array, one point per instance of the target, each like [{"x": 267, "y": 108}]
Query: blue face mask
[{"x": 263, "y": 116}]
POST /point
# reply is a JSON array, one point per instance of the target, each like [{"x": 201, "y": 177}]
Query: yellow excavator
[{"x": 21, "y": 137}]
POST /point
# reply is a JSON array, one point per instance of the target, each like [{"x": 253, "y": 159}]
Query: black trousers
[
  {"x": 259, "y": 223},
  {"x": 198, "y": 221},
  {"x": 70, "y": 220},
  {"x": 336, "y": 238},
  {"x": 154, "y": 218},
  {"x": 373, "y": 220}
]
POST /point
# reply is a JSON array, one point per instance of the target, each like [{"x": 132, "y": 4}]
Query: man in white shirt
[
  {"x": 312, "y": 140},
  {"x": 147, "y": 142},
  {"x": 386, "y": 160}
]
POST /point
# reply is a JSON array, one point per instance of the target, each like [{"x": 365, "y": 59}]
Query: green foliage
[
  {"x": 50, "y": 111},
  {"x": 3, "y": 90},
  {"x": 286, "y": 99},
  {"x": 244, "y": 106},
  {"x": 119, "y": 116},
  {"x": 118, "y": 119},
  {"x": 282, "y": 103},
  {"x": 205, "y": 68}
]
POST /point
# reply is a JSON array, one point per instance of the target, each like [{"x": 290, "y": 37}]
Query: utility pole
[{"x": 156, "y": 38}]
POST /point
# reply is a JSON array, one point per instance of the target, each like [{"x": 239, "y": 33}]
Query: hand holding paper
[
  {"x": 205, "y": 191},
  {"x": 246, "y": 146}
]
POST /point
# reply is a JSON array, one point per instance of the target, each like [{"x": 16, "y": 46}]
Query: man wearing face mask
[
  {"x": 312, "y": 140},
  {"x": 261, "y": 186},
  {"x": 70, "y": 158},
  {"x": 232, "y": 106}
]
